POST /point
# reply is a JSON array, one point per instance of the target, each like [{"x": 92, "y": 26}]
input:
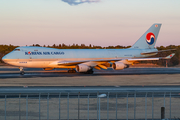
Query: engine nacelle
[
  {"x": 82, "y": 68},
  {"x": 119, "y": 66}
]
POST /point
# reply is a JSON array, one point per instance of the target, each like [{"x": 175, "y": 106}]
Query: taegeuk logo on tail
[{"x": 150, "y": 38}]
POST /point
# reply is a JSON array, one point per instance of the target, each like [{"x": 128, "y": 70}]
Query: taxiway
[
  {"x": 59, "y": 77},
  {"x": 36, "y": 72}
]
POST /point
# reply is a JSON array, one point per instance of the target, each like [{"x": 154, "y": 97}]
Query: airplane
[
  {"x": 85, "y": 60},
  {"x": 77, "y": 2}
]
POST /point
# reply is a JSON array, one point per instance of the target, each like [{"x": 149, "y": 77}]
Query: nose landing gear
[{"x": 21, "y": 70}]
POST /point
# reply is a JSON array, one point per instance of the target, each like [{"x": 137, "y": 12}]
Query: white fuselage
[{"x": 41, "y": 57}]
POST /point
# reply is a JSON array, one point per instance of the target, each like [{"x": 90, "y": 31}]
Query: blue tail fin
[{"x": 149, "y": 38}]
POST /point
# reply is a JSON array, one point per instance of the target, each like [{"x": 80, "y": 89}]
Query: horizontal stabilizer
[
  {"x": 169, "y": 56},
  {"x": 145, "y": 53},
  {"x": 142, "y": 59},
  {"x": 145, "y": 59}
]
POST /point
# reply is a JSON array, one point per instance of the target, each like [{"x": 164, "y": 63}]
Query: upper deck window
[{"x": 16, "y": 49}]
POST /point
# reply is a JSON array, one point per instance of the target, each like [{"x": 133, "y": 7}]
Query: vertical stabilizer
[{"x": 149, "y": 38}]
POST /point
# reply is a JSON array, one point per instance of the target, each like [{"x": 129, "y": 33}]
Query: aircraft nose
[{"x": 4, "y": 58}]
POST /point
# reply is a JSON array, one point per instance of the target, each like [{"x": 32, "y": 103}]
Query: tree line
[{"x": 5, "y": 49}]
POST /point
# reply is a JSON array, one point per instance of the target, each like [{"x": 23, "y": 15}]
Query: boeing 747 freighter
[{"x": 84, "y": 60}]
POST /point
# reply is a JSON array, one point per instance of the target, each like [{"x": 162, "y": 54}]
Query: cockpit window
[{"x": 17, "y": 50}]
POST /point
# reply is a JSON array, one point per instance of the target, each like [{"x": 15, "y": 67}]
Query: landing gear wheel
[
  {"x": 90, "y": 72},
  {"x": 71, "y": 71},
  {"x": 22, "y": 72}
]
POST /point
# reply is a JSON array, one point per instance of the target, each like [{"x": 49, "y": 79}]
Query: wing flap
[{"x": 69, "y": 63}]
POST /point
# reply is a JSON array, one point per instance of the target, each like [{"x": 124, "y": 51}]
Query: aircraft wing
[
  {"x": 100, "y": 61},
  {"x": 69, "y": 63}
]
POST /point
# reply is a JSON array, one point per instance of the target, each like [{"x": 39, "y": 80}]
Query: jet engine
[
  {"x": 82, "y": 68},
  {"x": 119, "y": 66}
]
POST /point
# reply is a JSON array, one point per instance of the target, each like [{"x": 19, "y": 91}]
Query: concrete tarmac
[
  {"x": 59, "y": 77},
  {"x": 38, "y": 72}
]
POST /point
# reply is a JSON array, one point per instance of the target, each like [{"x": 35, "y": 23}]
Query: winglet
[{"x": 169, "y": 56}]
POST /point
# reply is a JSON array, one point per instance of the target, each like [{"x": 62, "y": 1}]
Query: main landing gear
[
  {"x": 72, "y": 71},
  {"x": 89, "y": 71},
  {"x": 21, "y": 70}
]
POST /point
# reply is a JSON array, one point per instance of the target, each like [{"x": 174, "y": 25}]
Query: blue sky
[{"x": 107, "y": 22}]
